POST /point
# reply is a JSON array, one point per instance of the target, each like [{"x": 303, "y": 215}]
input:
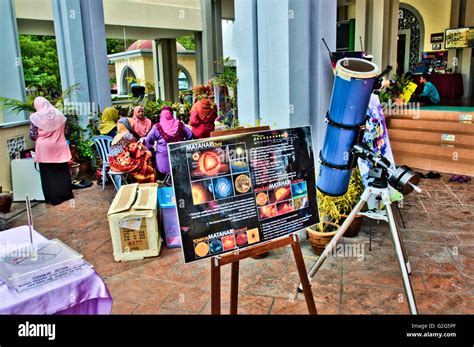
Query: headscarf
[
  {"x": 124, "y": 126},
  {"x": 204, "y": 109},
  {"x": 168, "y": 123},
  {"x": 142, "y": 126},
  {"x": 46, "y": 117},
  {"x": 108, "y": 120}
]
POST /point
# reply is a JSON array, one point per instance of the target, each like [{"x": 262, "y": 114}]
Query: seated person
[
  {"x": 129, "y": 155},
  {"x": 168, "y": 130},
  {"x": 204, "y": 112},
  {"x": 141, "y": 124},
  {"x": 430, "y": 95},
  {"x": 108, "y": 122}
]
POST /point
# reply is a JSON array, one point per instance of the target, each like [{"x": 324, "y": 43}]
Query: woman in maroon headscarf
[
  {"x": 141, "y": 124},
  {"x": 168, "y": 130},
  {"x": 204, "y": 112}
]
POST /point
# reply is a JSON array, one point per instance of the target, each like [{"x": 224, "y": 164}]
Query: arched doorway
[
  {"x": 410, "y": 38},
  {"x": 185, "y": 81},
  {"x": 128, "y": 77}
]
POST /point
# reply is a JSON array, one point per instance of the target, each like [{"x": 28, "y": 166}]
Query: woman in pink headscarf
[
  {"x": 141, "y": 124},
  {"x": 168, "y": 130},
  {"x": 47, "y": 128}
]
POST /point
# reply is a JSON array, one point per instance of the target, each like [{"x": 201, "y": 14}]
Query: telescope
[
  {"x": 356, "y": 79},
  {"x": 402, "y": 179}
]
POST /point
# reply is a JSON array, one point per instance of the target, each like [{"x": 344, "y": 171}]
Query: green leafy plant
[
  {"x": 332, "y": 209},
  {"x": 85, "y": 150},
  {"x": 395, "y": 91},
  {"x": 40, "y": 63},
  {"x": 149, "y": 87},
  {"x": 16, "y": 106}
]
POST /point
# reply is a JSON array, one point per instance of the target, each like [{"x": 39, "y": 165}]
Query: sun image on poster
[{"x": 239, "y": 190}]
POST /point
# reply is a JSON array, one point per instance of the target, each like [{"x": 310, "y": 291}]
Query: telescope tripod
[{"x": 379, "y": 189}]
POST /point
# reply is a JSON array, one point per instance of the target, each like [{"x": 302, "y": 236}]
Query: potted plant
[
  {"x": 346, "y": 203},
  {"x": 85, "y": 153},
  {"x": 394, "y": 93},
  {"x": 332, "y": 213},
  {"x": 5, "y": 201},
  {"x": 321, "y": 234}
]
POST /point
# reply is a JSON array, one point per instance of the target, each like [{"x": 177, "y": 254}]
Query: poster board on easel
[{"x": 241, "y": 191}]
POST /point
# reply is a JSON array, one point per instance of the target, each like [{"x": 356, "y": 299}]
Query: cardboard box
[{"x": 133, "y": 222}]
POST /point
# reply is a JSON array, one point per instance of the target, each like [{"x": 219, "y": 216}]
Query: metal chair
[{"x": 102, "y": 145}]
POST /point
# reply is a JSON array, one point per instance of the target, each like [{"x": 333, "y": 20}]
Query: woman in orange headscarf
[
  {"x": 204, "y": 112},
  {"x": 129, "y": 155}
]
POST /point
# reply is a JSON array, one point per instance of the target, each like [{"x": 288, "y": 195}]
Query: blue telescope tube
[{"x": 347, "y": 112}]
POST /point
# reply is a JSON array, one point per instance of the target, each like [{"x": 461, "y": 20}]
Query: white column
[
  {"x": 80, "y": 39},
  {"x": 382, "y": 31},
  {"x": 211, "y": 38},
  {"x": 245, "y": 40},
  {"x": 287, "y": 61},
  {"x": 11, "y": 69},
  {"x": 360, "y": 24}
]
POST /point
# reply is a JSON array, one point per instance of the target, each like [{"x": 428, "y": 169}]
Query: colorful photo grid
[
  {"x": 226, "y": 243},
  {"x": 219, "y": 173},
  {"x": 282, "y": 200}
]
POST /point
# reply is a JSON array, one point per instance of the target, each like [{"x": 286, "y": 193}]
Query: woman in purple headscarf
[{"x": 168, "y": 130}]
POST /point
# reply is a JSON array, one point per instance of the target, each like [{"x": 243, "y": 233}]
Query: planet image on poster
[
  {"x": 243, "y": 184},
  {"x": 282, "y": 193},
  {"x": 202, "y": 192},
  {"x": 299, "y": 189},
  {"x": 252, "y": 236},
  {"x": 262, "y": 198},
  {"x": 223, "y": 188},
  {"x": 241, "y": 239},
  {"x": 267, "y": 211},
  {"x": 284, "y": 207},
  {"x": 209, "y": 163},
  {"x": 239, "y": 166},
  {"x": 215, "y": 246},
  {"x": 201, "y": 249},
  {"x": 228, "y": 242}
]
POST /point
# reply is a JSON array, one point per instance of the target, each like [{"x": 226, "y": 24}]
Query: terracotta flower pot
[
  {"x": 318, "y": 239},
  {"x": 74, "y": 169},
  {"x": 6, "y": 201},
  {"x": 355, "y": 226},
  {"x": 85, "y": 167}
]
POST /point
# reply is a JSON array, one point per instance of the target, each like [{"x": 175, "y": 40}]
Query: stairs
[{"x": 440, "y": 141}]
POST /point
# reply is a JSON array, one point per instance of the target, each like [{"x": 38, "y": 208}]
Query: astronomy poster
[{"x": 240, "y": 190}]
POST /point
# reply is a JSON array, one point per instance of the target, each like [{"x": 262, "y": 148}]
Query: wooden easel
[{"x": 238, "y": 255}]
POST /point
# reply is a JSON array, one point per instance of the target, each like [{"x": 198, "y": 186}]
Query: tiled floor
[{"x": 439, "y": 239}]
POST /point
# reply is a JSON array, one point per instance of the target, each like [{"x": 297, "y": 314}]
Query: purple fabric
[
  {"x": 81, "y": 293},
  {"x": 158, "y": 146}
]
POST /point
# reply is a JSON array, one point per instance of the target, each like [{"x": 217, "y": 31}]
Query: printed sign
[
  {"x": 240, "y": 190},
  {"x": 459, "y": 38},
  {"x": 437, "y": 38}
]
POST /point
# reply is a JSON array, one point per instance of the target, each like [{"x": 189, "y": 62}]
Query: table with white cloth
[{"x": 83, "y": 292}]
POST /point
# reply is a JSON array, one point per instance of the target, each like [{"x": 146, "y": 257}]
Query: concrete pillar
[
  {"x": 167, "y": 70},
  {"x": 323, "y": 25},
  {"x": 382, "y": 31},
  {"x": 467, "y": 60},
  {"x": 245, "y": 40},
  {"x": 211, "y": 38},
  {"x": 292, "y": 67},
  {"x": 360, "y": 24},
  {"x": 199, "y": 58},
  {"x": 80, "y": 37},
  {"x": 11, "y": 68}
]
